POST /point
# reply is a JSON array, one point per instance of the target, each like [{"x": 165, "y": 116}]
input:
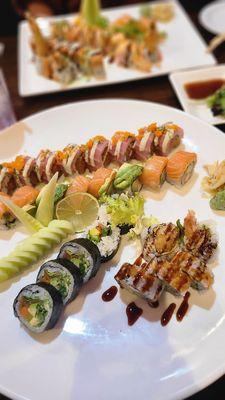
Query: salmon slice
[
  {"x": 95, "y": 185},
  {"x": 154, "y": 172},
  {"x": 79, "y": 184},
  {"x": 24, "y": 195},
  {"x": 180, "y": 167},
  {"x": 3, "y": 208},
  {"x": 102, "y": 173}
]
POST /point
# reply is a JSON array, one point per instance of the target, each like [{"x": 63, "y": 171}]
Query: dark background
[{"x": 156, "y": 89}]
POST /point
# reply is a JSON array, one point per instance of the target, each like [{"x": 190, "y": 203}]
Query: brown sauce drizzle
[
  {"x": 182, "y": 310},
  {"x": 133, "y": 313},
  {"x": 110, "y": 293},
  {"x": 167, "y": 315}
]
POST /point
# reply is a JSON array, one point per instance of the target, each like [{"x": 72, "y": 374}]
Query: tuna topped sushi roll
[
  {"x": 84, "y": 254},
  {"x": 25, "y": 170},
  {"x": 122, "y": 144},
  {"x": 74, "y": 160},
  {"x": 96, "y": 152},
  {"x": 162, "y": 241},
  {"x": 48, "y": 163},
  {"x": 138, "y": 279},
  {"x": 167, "y": 138},
  {"x": 64, "y": 276},
  {"x": 104, "y": 235},
  {"x": 38, "y": 307},
  {"x": 154, "y": 172},
  {"x": 180, "y": 167},
  {"x": 7, "y": 179},
  {"x": 144, "y": 143}
]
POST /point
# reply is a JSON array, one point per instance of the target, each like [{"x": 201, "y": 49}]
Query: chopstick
[{"x": 215, "y": 42}]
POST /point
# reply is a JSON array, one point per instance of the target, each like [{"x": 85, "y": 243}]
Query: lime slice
[{"x": 81, "y": 209}]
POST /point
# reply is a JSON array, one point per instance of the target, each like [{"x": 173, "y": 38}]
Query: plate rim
[
  {"x": 219, "y": 371},
  {"x": 204, "y": 11}
]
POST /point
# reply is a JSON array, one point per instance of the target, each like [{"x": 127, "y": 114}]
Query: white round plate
[
  {"x": 212, "y": 17},
  {"x": 93, "y": 353}
]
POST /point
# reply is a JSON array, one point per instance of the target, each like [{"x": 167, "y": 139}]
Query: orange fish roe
[
  {"x": 121, "y": 135},
  {"x": 97, "y": 138},
  {"x": 17, "y": 164}
]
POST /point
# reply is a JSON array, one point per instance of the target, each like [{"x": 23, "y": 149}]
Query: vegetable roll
[
  {"x": 104, "y": 235},
  {"x": 144, "y": 143},
  {"x": 154, "y": 172},
  {"x": 121, "y": 148},
  {"x": 167, "y": 138},
  {"x": 96, "y": 152},
  {"x": 162, "y": 241},
  {"x": 137, "y": 279},
  {"x": 38, "y": 307},
  {"x": 64, "y": 276},
  {"x": 74, "y": 160},
  {"x": 180, "y": 167},
  {"x": 84, "y": 254},
  {"x": 7, "y": 179}
]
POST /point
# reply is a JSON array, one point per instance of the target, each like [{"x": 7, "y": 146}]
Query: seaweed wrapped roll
[
  {"x": 64, "y": 276},
  {"x": 84, "y": 254},
  {"x": 38, "y": 306}
]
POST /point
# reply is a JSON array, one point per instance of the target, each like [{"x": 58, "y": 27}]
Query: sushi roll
[
  {"x": 137, "y": 279},
  {"x": 199, "y": 238},
  {"x": 162, "y": 241},
  {"x": 144, "y": 143},
  {"x": 54, "y": 164},
  {"x": 122, "y": 144},
  {"x": 167, "y": 138},
  {"x": 96, "y": 152},
  {"x": 174, "y": 279},
  {"x": 74, "y": 160},
  {"x": 38, "y": 307},
  {"x": 180, "y": 167},
  {"x": 7, "y": 179},
  {"x": 104, "y": 235},
  {"x": 97, "y": 64},
  {"x": 154, "y": 172},
  {"x": 64, "y": 276},
  {"x": 84, "y": 254},
  {"x": 6, "y": 218},
  {"x": 41, "y": 163},
  {"x": 25, "y": 195},
  {"x": 79, "y": 184},
  {"x": 101, "y": 182},
  {"x": 26, "y": 172}
]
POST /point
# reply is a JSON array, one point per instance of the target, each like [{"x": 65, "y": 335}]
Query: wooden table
[{"x": 156, "y": 89}]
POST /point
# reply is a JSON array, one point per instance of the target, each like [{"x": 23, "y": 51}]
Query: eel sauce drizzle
[
  {"x": 133, "y": 313},
  {"x": 110, "y": 293}
]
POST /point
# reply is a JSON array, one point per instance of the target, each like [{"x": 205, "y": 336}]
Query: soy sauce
[
  {"x": 182, "y": 310},
  {"x": 202, "y": 89},
  {"x": 110, "y": 293},
  {"x": 133, "y": 313},
  {"x": 167, "y": 315}
]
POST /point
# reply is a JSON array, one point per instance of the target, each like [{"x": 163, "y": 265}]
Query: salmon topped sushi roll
[
  {"x": 74, "y": 160},
  {"x": 144, "y": 143},
  {"x": 24, "y": 195},
  {"x": 167, "y": 138},
  {"x": 102, "y": 178},
  {"x": 96, "y": 152},
  {"x": 180, "y": 167},
  {"x": 79, "y": 184},
  {"x": 122, "y": 144},
  {"x": 154, "y": 172}
]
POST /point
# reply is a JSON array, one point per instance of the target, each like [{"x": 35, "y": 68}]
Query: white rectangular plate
[
  {"x": 184, "y": 48},
  {"x": 195, "y": 107}
]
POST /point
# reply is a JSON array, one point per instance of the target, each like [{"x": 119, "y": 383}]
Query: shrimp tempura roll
[
  {"x": 180, "y": 167},
  {"x": 154, "y": 172}
]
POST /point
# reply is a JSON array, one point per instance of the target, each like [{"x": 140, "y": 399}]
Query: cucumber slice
[
  {"x": 18, "y": 262},
  {"x": 8, "y": 268},
  {"x": 3, "y": 275},
  {"x": 29, "y": 256},
  {"x": 65, "y": 226},
  {"x": 50, "y": 237},
  {"x": 45, "y": 210}
]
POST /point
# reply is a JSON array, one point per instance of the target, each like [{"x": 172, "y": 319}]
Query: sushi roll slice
[
  {"x": 174, "y": 279},
  {"x": 64, "y": 276},
  {"x": 96, "y": 152},
  {"x": 122, "y": 144},
  {"x": 104, "y": 235},
  {"x": 84, "y": 254},
  {"x": 199, "y": 238},
  {"x": 6, "y": 218},
  {"x": 144, "y": 143},
  {"x": 154, "y": 172},
  {"x": 137, "y": 279},
  {"x": 180, "y": 167},
  {"x": 26, "y": 172},
  {"x": 101, "y": 182},
  {"x": 38, "y": 307},
  {"x": 97, "y": 64},
  {"x": 54, "y": 164},
  {"x": 79, "y": 184},
  {"x": 7, "y": 180},
  {"x": 41, "y": 163},
  {"x": 162, "y": 241},
  {"x": 74, "y": 160},
  {"x": 201, "y": 277},
  {"x": 167, "y": 138}
]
